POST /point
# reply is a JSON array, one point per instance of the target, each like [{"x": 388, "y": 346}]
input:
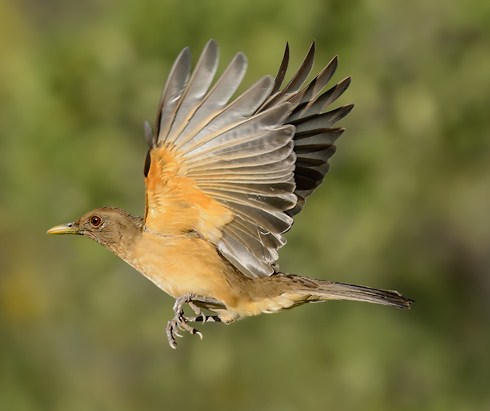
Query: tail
[
  {"x": 301, "y": 290},
  {"x": 341, "y": 291}
]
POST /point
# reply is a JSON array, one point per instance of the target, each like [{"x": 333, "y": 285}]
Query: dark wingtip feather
[
  {"x": 349, "y": 107},
  {"x": 303, "y": 71},
  {"x": 346, "y": 82},
  {"x": 281, "y": 73}
]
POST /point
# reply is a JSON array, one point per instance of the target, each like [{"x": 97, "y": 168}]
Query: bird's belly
[{"x": 181, "y": 265}]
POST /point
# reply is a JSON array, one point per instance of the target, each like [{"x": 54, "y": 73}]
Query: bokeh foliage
[{"x": 406, "y": 206}]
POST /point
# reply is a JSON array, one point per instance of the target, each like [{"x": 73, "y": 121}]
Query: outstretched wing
[{"x": 236, "y": 172}]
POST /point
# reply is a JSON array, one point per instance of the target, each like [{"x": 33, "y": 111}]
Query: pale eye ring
[{"x": 95, "y": 221}]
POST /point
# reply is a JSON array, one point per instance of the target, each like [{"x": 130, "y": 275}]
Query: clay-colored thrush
[{"x": 223, "y": 182}]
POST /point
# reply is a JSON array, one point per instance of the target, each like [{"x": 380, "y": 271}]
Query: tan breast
[{"x": 181, "y": 264}]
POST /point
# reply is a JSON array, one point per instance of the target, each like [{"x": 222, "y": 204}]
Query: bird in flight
[{"x": 224, "y": 180}]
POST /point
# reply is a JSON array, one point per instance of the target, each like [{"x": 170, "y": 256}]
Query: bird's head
[{"x": 111, "y": 227}]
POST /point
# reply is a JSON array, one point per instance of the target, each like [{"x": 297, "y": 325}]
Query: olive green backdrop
[{"x": 405, "y": 206}]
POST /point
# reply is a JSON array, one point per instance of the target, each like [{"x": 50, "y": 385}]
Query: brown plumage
[{"x": 223, "y": 182}]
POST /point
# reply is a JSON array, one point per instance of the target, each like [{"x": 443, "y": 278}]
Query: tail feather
[
  {"x": 312, "y": 290},
  {"x": 340, "y": 291}
]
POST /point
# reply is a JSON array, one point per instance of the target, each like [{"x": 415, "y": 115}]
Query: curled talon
[
  {"x": 180, "y": 322},
  {"x": 170, "y": 331}
]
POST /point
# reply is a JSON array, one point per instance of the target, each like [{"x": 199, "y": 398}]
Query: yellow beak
[{"x": 63, "y": 229}]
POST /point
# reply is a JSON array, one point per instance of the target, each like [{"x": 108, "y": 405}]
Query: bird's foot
[{"x": 181, "y": 323}]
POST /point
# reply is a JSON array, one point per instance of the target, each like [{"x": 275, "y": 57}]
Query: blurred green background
[{"x": 406, "y": 206}]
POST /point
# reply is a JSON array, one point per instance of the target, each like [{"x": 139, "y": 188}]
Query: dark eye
[{"x": 96, "y": 221}]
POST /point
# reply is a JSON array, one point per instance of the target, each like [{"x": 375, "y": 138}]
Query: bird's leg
[{"x": 180, "y": 321}]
